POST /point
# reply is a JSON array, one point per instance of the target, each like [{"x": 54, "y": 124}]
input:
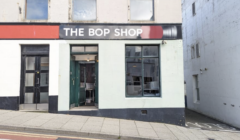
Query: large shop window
[
  {"x": 37, "y": 9},
  {"x": 142, "y": 71},
  {"x": 142, "y": 10},
  {"x": 84, "y": 10}
]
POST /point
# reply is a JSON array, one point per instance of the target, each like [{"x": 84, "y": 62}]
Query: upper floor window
[
  {"x": 142, "y": 10},
  {"x": 192, "y": 52},
  {"x": 193, "y": 9},
  {"x": 197, "y": 50},
  {"x": 84, "y": 10},
  {"x": 37, "y": 9}
]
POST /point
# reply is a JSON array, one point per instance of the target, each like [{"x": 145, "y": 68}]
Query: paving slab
[
  {"x": 75, "y": 126},
  {"x": 143, "y": 124},
  {"x": 110, "y": 129},
  {"x": 146, "y": 132}
]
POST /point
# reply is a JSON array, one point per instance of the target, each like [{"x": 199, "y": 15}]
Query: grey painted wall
[{"x": 216, "y": 28}]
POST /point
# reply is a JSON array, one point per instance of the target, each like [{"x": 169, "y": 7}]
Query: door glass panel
[
  {"x": 150, "y": 51},
  {"x": 82, "y": 75},
  {"x": 30, "y": 63},
  {"x": 91, "y": 49},
  {"x": 28, "y": 98},
  {"x": 44, "y": 79},
  {"x": 133, "y": 51},
  {"x": 44, "y": 63},
  {"x": 78, "y": 49},
  {"x": 29, "y": 79},
  {"x": 151, "y": 77},
  {"x": 43, "y": 97},
  {"x": 134, "y": 76}
]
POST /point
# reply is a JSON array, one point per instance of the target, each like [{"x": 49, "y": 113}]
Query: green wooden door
[
  {"x": 96, "y": 81},
  {"x": 72, "y": 81},
  {"x": 82, "y": 92},
  {"x": 77, "y": 82}
]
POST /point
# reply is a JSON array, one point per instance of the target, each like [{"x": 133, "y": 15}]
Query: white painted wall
[
  {"x": 216, "y": 28},
  {"x": 10, "y": 69},
  {"x": 108, "y": 11},
  {"x": 111, "y": 73}
]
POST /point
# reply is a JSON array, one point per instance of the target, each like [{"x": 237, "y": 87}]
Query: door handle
[
  {"x": 37, "y": 81},
  {"x": 73, "y": 82}
]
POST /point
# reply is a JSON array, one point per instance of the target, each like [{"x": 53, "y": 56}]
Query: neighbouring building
[
  {"x": 110, "y": 58},
  {"x": 211, "y": 43}
]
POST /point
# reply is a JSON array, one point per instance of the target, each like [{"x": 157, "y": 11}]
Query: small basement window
[
  {"x": 36, "y": 9},
  {"x": 84, "y": 10},
  {"x": 142, "y": 10}
]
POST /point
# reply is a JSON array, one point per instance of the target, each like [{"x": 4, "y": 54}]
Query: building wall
[
  {"x": 111, "y": 73},
  {"x": 108, "y": 11},
  {"x": 216, "y": 28}
]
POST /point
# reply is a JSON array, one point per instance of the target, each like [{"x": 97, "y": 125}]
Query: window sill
[
  {"x": 83, "y": 21},
  {"x": 141, "y": 21}
]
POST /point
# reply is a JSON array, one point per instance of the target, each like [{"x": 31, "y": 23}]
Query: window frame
[
  {"x": 83, "y": 45},
  {"x": 38, "y": 20},
  {"x": 82, "y": 21},
  {"x": 196, "y": 88},
  {"x": 193, "y": 52},
  {"x": 142, "y": 75},
  {"x": 141, "y": 21}
]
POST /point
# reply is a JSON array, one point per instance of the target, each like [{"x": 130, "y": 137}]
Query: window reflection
[
  {"x": 134, "y": 76},
  {"x": 37, "y": 9},
  {"x": 84, "y": 10},
  {"x": 151, "y": 76},
  {"x": 141, "y": 9},
  {"x": 142, "y": 71}
]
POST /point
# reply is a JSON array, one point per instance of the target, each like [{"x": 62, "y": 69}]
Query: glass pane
[
  {"x": 30, "y": 63},
  {"x": 84, "y": 10},
  {"x": 133, "y": 51},
  {"x": 44, "y": 63},
  {"x": 78, "y": 49},
  {"x": 150, "y": 51},
  {"x": 141, "y": 10},
  {"x": 29, "y": 79},
  {"x": 28, "y": 98},
  {"x": 44, "y": 79},
  {"x": 37, "y": 9},
  {"x": 91, "y": 49},
  {"x": 82, "y": 75},
  {"x": 134, "y": 77},
  {"x": 151, "y": 77},
  {"x": 43, "y": 97}
]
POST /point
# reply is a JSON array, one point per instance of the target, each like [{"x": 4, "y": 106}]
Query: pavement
[
  {"x": 199, "y": 121},
  {"x": 104, "y": 128}
]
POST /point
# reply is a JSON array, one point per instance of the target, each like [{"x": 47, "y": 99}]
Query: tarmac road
[{"x": 199, "y": 121}]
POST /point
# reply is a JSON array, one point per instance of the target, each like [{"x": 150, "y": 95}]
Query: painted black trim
[
  {"x": 174, "y": 116},
  {"x": 9, "y": 103},
  {"x": 53, "y": 104}
]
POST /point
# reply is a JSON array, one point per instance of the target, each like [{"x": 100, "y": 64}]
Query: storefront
[{"x": 128, "y": 71}]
